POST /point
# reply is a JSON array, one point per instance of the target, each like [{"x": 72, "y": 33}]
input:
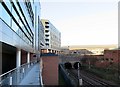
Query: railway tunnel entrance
[{"x": 72, "y": 65}]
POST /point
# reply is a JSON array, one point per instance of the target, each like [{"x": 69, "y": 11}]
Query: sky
[{"x": 83, "y": 22}]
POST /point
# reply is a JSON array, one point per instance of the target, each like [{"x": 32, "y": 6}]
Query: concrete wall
[{"x": 50, "y": 70}]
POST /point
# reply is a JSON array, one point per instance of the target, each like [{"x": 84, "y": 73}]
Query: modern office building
[
  {"x": 41, "y": 37},
  {"x": 52, "y": 37},
  {"x": 20, "y": 29}
]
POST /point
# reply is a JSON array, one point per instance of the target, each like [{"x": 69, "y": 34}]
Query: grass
[{"x": 103, "y": 73}]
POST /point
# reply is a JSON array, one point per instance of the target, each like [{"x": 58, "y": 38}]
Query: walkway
[{"x": 32, "y": 78}]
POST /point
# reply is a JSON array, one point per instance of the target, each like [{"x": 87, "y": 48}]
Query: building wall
[
  {"x": 112, "y": 55},
  {"x": 41, "y": 36},
  {"x": 52, "y": 36},
  {"x": 50, "y": 70},
  {"x": 12, "y": 29},
  {"x": 65, "y": 51},
  {"x": 23, "y": 57},
  {"x": 19, "y": 28},
  {"x": 110, "y": 58}
]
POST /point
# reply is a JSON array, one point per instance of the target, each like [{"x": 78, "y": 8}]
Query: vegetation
[
  {"x": 110, "y": 73},
  {"x": 104, "y": 73}
]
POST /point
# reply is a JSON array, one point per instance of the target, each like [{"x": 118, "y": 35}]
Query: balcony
[
  {"x": 46, "y": 31},
  {"x": 24, "y": 75},
  {"x": 46, "y": 26},
  {"x": 46, "y": 22}
]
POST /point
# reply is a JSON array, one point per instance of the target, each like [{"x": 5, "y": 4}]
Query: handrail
[
  {"x": 16, "y": 68},
  {"x": 8, "y": 72},
  {"x": 16, "y": 75}
]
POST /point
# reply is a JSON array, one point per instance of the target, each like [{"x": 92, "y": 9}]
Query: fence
[
  {"x": 69, "y": 79},
  {"x": 16, "y": 75}
]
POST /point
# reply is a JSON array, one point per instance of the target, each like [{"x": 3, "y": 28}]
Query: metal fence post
[
  {"x": 10, "y": 80},
  {"x": 79, "y": 79}
]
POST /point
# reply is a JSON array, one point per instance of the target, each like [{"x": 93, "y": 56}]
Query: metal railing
[{"x": 16, "y": 75}]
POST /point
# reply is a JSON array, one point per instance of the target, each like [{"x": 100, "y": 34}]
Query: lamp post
[
  {"x": 68, "y": 50},
  {"x": 79, "y": 79},
  {"x": 89, "y": 62}
]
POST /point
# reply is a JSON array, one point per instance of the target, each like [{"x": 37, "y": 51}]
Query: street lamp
[
  {"x": 79, "y": 79},
  {"x": 68, "y": 50}
]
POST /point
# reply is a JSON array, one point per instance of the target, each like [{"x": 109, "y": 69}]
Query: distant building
[
  {"x": 81, "y": 52},
  {"x": 112, "y": 55},
  {"x": 41, "y": 37},
  {"x": 110, "y": 58},
  {"x": 64, "y": 50},
  {"x": 95, "y": 49},
  {"x": 52, "y": 37}
]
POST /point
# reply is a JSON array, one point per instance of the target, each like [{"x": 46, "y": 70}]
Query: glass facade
[
  {"x": 41, "y": 35},
  {"x": 21, "y": 19}
]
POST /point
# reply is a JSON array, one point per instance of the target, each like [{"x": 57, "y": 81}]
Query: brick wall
[
  {"x": 23, "y": 57},
  {"x": 50, "y": 70},
  {"x": 112, "y": 55}
]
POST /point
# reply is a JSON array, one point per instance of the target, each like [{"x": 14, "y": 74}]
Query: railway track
[{"x": 89, "y": 79}]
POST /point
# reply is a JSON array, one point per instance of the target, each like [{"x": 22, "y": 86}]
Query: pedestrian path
[{"x": 32, "y": 78}]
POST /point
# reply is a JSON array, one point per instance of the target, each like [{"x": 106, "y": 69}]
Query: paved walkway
[{"x": 32, "y": 78}]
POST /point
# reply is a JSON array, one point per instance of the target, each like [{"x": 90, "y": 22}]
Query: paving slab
[{"x": 32, "y": 78}]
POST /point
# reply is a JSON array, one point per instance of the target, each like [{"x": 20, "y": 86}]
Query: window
[
  {"x": 5, "y": 16},
  {"x": 14, "y": 25},
  {"x": 47, "y": 35},
  {"x": 46, "y": 22},
  {"x": 46, "y": 26},
  {"x": 107, "y": 59},
  {"x": 46, "y": 31},
  {"x": 47, "y": 39},
  {"x": 111, "y": 59}
]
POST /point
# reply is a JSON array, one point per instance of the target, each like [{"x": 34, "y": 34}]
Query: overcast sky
[{"x": 83, "y": 22}]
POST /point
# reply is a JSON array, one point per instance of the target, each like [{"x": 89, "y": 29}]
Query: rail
[
  {"x": 16, "y": 75},
  {"x": 89, "y": 79}
]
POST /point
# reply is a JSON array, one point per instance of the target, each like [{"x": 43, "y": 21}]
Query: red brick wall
[
  {"x": 112, "y": 54},
  {"x": 23, "y": 57},
  {"x": 50, "y": 70},
  {"x": 102, "y": 64},
  {"x": 108, "y": 55}
]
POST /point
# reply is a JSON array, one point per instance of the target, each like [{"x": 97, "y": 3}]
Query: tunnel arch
[
  {"x": 75, "y": 65},
  {"x": 68, "y": 65}
]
